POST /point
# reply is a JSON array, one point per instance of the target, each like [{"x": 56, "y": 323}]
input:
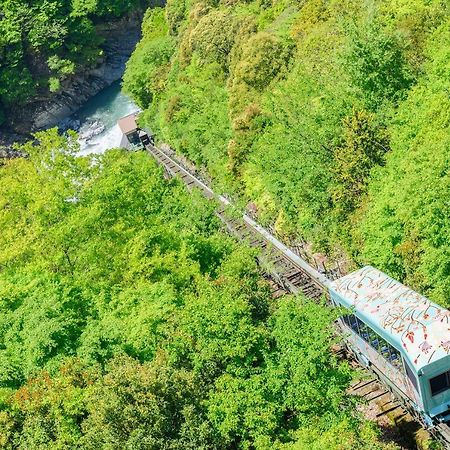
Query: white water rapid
[{"x": 96, "y": 122}]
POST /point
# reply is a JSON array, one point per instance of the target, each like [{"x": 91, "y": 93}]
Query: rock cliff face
[{"x": 120, "y": 40}]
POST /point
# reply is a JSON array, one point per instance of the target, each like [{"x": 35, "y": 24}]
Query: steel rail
[
  {"x": 292, "y": 274},
  {"x": 175, "y": 168},
  {"x": 322, "y": 281}
]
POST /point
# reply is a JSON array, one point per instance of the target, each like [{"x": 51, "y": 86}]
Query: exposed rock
[
  {"x": 120, "y": 40},
  {"x": 90, "y": 129},
  {"x": 9, "y": 153},
  {"x": 69, "y": 123},
  {"x": 7, "y": 139}
]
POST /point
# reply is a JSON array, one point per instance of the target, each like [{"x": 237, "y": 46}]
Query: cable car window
[
  {"x": 391, "y": 354},
  {"x": 363, "y": 330},
  {"x": 346, "y": 320},
  {"x": 353, "y": 323},
  {"x": 383, "y": 348},
  {"x": 440, "y": 383},
  {"x": 394, "y": 357},
  {"x": 373, "y": 338},
  {"x": 411, "y": 376},
  {"x": 350, "y": 321}
]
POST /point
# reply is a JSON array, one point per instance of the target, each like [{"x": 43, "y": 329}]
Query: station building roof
[
  {"x": 404, "y": 317},
  {"x": 128, "y": 123}
]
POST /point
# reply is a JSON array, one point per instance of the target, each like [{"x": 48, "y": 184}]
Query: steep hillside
[
  {"x": 328, "y": 115},
  {"x": 45, "y": 45},
  {"x": 128, "y": 320}
]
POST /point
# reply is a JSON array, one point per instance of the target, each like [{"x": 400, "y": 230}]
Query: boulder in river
[
  {"x": 69, "y": 123},
  {"x": 90, "y": 129}
]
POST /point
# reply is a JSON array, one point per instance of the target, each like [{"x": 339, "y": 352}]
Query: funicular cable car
[{"x": 401, "y": 335}]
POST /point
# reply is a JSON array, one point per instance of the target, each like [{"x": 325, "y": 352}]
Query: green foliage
[
  {"x": 405, "y": 225},
  {"x": 39, "y": 324},
  {"x": 175, "y": 13},
  {"x": 144, "y": 78},
  {"x": 54, "y": 84},
  {"x": 301, "y": 334},
  {"x": 200, "y": 97},
  {"x": 50, "y": 408},
  {"x": 15, "y": 85},
  {"x": 263, "y": 57},
  {"x": 46, "y": 40},
  {"x": 364, "y": 147},
  {"x": 214, "y": 37},
  {"x": 415, "y": 20},
  {"x": 246, "y": 128},
  {"x": 142, "y": 406},
  {"x": 128, "y": 320},
  {"x": 295, "y": 107},
  {"x": 61, "y": 66},
  {"x": 376, "y": 64},
  {"x": 81, "y": 8}
]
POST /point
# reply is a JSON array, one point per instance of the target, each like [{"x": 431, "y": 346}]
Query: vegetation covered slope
[
  {"x": 43, "y": 42},
  {"x": 331, "y": 116},
  {"x": 128, "y": 320}
]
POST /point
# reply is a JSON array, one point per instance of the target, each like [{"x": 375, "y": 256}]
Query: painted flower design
[
  {"x": 426, "y": 347},
  {"x": 446, "y": 345},
  {"x": 399, "y": 328},
  {"x": 442, "y": 315}
]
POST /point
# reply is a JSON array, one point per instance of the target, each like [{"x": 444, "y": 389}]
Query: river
[{"x": 97, "y": 119}]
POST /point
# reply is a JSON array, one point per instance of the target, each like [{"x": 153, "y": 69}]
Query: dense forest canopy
[
  {"x": 331, "y": 116},
  {"x": 129, "y": 320}
]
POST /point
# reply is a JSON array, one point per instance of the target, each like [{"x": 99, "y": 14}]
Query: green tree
[
  {"x": 175, "y": 13},
  {"x": 144, "y": 406},
  {"x": 263, "y": 57},
  {"x": 365, "y": 146},
  {"x": 376, "y": 63},
  {"x": 214, "y": 36},
  {"x": 145, "y": 74},
  {"x": 404, "y": 228}
]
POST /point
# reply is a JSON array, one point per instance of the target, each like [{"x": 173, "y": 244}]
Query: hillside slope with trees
[
  {"x": 43, "y": 43},
  {"x": 129, "y": 320},
  {"x": 331, "y": 116}
]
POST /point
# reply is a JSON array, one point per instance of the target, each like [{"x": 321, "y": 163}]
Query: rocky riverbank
[{"x": 121, "y": 38}]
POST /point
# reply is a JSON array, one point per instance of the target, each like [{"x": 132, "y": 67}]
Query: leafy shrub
[
  {"x": 263, "y": 57},
  {"x": 365, "y": 146},
  {"x": 214, "y": 36},
  {"x": 377, "y": 65},
  {"x": 175, "y": 14},
  {"x": 61, "y": 66},
  {"x": 15, "y": 85},
  {"x": 54, "y": 84}
]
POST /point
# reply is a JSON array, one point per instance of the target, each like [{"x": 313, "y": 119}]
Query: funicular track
[
  {"x": 286, "y": 269},
  {"x": 288, "y": 273}
]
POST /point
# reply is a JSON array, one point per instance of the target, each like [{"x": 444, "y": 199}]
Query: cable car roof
[{"x": 418, "y": 326}]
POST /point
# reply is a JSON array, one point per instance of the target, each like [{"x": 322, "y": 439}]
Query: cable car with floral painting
[{"x": 401, "y": 335}]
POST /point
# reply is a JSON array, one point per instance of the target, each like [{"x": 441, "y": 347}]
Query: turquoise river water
[{"x": 98, "y": 119}]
